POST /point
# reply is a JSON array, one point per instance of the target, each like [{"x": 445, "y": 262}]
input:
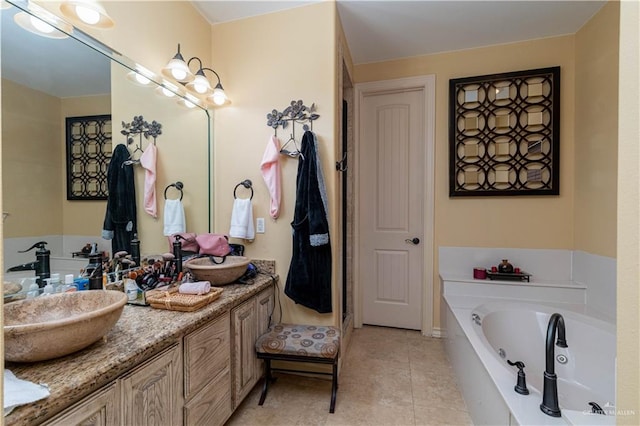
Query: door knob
[{"x": 414, "y": 240}]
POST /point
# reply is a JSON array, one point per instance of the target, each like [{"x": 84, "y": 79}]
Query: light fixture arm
[{"x": 217, "y": 76}]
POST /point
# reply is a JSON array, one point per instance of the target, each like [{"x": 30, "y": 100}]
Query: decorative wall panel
[
  {"x": 504, "y": 134},
  {"x": 88, "y": 155}
]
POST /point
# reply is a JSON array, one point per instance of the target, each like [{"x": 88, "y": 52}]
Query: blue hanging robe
[{"x": 309, "y": 277}]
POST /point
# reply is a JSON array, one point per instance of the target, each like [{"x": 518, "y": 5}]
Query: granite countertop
[{"x": 140, "y": 333}]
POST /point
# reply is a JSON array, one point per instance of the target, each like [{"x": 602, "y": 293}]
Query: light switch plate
[{"x": 260, "y": 225}]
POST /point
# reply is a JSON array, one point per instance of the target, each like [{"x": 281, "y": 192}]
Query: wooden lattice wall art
[
  {"x": 504, "y": 134},
  {"x": 88, "y": 155}
]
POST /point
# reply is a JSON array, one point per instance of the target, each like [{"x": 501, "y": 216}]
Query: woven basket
[{"x": 172, "y": 300}]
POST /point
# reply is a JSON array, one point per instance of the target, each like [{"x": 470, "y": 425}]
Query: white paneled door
[{"x": 391, "y": 185}]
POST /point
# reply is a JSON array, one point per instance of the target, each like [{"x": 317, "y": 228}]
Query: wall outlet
[{"x": 260, "y": 225}]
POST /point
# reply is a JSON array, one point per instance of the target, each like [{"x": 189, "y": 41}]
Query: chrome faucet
[
  {"x": 549, "y": 404},
  {"x": 41, "y": 265}
]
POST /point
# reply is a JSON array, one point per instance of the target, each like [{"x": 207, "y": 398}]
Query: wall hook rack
[{"x": 296, "y": 112}]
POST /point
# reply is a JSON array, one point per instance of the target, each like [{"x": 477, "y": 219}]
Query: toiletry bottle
[
  {"x": 95, "y": 279},
  {"x": 48, "y": 289},
  {"x": 135, "y": 249},
  {"x": 55, "y": 282},
  {"x": 68, "y": 283},
  {"x": 34, "y": 289}
]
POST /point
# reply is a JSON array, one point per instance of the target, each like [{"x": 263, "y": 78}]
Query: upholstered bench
[{"x": 300, "y": 343}]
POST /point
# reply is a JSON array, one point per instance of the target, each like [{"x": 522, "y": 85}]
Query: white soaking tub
[{"x": 486, "y": 335}]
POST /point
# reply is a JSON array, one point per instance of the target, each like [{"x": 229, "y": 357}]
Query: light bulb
[
  {"x": 142, "y": 79},
  {"x": 168, "y": 93},
  {"x": 219, "y": 97},
  {"x": 41, "y": 26},
  {"x": 200, "y": 84},
  {"x": 178, "y": 74},
  {"x": 87, "y": 15}
]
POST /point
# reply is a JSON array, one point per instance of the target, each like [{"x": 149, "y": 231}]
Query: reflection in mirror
[{"x": 46, "y": 80}]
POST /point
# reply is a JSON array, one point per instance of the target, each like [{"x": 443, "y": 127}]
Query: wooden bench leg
[
  {"x": 267, "y": 379},
  {"x": 334, "y": 388}
]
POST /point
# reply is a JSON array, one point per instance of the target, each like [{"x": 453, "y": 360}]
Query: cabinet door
[
  {"x": 101, "y": 408},
  {"x": 244, "y": 355},
  {"x": 152, "y": 393},
  {"x": 207, "y": 354},
  {"x": 264, "y": 302}
]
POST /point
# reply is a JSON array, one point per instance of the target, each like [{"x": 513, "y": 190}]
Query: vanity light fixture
[
  {"x": 167, "y": 89},
  {"x": 87, "y": 12},
  {"x": 141, "y": 76},
  {"x": 178, "y": 69},
  {"x": 189, "y": 101},
  {"x": 42, "y": 22}
]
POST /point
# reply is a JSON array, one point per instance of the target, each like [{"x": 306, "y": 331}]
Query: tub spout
[{"x": 550, "y": 404}]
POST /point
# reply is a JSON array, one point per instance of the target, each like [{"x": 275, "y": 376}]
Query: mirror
[{"x": 46, "y": 80}]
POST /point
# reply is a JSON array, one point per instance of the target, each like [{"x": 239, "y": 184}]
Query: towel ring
[
  {"x": 247, "y": 184},
  {"x": 178, "y": 185}
]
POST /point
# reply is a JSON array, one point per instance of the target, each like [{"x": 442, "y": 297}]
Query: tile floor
[{"x": 389, "y": 377}]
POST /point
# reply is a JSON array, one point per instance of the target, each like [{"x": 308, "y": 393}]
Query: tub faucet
[
  {"x": 549, "y": 404},
  {"x": 42, "y": 265}
]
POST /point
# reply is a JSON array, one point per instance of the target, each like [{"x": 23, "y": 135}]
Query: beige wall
[
  {"x": 519, "y": 222},
  {"x": 628, "y": 244},
  {"x": 80, "y": 217},
  {"x": 182, "y": 154},
  {"x": 148, "y": 33},
  {"x": 596, "y": 133},
  {"x": 31, "y": 161},
  {"x": 267, "y": 61}
]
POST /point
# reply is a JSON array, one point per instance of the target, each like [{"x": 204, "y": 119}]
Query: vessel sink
[
  {"x": 203, "y": 269},
  {"x": 59, "y": 324}
]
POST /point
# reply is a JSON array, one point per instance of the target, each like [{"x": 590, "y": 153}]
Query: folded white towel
[
  {"x": 19, "y": 392},
  {"x": 174, "y": 219},
  {"x": 198, "y": 287},
  {"x": 242, "y": 219}
]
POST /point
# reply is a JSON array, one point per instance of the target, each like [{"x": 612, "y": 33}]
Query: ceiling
[{"x": 389, "y": 29}]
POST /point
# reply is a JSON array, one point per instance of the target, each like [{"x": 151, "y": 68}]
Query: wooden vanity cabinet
[
  {"x": 207, "y": 374},
  {"x": 199, "y": 380},
  {"x": 152, "y": 392},
  {"x": 101, "y": 408},
  {"x": 248, "y": 321}
]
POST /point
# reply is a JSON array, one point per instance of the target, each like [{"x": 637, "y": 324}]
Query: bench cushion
[{"x": 300, "y": 340}]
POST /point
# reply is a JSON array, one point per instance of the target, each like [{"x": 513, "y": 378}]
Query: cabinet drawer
[
  {"x": 101, "y": 408},
  {"x": 212, "y": 406},
  {"x": 206, "y": 354}
]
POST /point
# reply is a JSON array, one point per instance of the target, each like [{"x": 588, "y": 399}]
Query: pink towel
[
  {"x": 270, "y": 168},
  {"x": 148, "y": 161}
]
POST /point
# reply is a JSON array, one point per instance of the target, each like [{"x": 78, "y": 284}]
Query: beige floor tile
[
  {"x": 388, "y": 377},
  {"x": 441, "y": 416},
  {"x": 355, "y": 414}
]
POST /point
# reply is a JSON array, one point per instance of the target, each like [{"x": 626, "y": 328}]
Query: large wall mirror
[{"x": 47, "y": 80}]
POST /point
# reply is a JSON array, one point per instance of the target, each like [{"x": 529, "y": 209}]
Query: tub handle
[
  {"x": 521, "y": 385},
  {"x": 596, "y": 409}
]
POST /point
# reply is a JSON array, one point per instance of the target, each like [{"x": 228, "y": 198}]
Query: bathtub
[{"x": 486, "y": 335}]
